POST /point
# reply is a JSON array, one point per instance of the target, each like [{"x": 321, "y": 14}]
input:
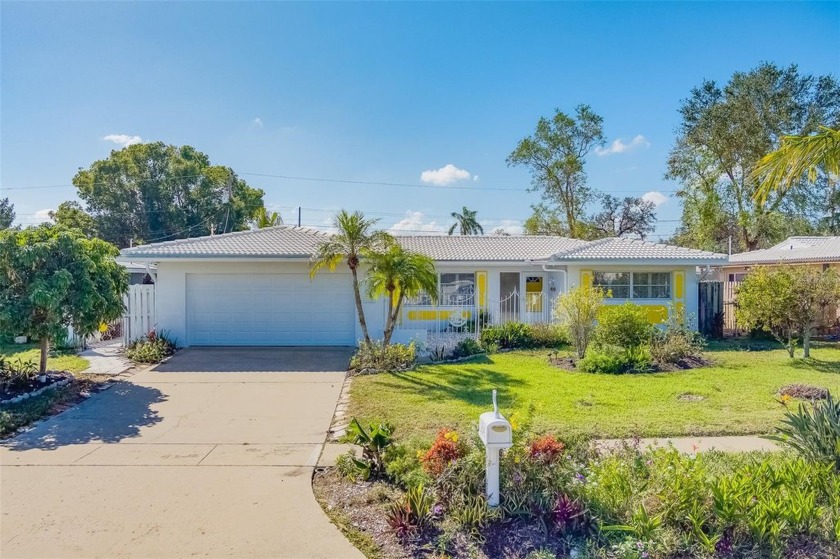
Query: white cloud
[
  {"x": 655, "y": 196},
  {"x": 509, "y": 226},
  {"x": 620, "y": 147},
  {"x": 445, "y": 175},
  {"x": 413, "y": 223},
  {"x": 43, "y": 215},
  {"x": 123, "y": 139},
  {"x": 257, "y": 122}
]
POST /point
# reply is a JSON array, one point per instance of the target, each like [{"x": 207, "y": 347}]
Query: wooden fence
[
  {"x": 140, "y": 316},
  {"x": 710, "y": 309}
]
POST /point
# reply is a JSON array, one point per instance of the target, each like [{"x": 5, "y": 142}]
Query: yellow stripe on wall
[
  {"x": 586, "y": 277},
  {"x": 679, "y": 285},
  {"x": 434, "y": 315}
]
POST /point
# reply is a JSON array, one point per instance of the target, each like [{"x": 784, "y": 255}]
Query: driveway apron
[{"x": 208, "y": 455}]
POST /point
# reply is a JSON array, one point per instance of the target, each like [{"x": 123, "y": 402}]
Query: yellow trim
[
  {"x": 481, "y": 284},
  {"x": 586, "y": 277},
  {"x": 656, "y": 314},
  {"x": 434, "y": 315},
  {"x": 679, "y": 285}
]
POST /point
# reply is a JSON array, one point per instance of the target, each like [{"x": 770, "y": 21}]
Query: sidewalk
[{"x": 106, "y": 358}]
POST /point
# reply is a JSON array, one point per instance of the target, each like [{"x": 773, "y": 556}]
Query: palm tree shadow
[
  {"x": 473, "y": 385},
  {"x": 109, "y": 417},
  {"x": 818, "y": 365}
]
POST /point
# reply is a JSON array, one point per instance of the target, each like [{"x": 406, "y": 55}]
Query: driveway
[{"x": 210, "y": 454}]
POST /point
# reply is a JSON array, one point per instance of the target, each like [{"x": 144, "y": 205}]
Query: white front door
[
  {"x": 534, "y": 300},
  {"x": 270, "y": 310}
]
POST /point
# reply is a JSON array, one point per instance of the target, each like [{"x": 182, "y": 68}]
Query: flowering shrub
[
  {"x": 546, "y": 448},
  {"x": 444, "y": 451}
]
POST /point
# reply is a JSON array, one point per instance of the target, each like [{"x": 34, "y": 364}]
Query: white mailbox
[{"x": 496, "y": 434}]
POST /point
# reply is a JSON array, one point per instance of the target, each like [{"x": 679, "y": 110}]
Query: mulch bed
[
  {"x": 359, "y": 509},
  {"x": 7, "y": 391},
  {"x": 568, "y": 363}
]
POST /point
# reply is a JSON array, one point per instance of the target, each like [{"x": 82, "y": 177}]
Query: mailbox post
[{"x": 495, "y": 432}]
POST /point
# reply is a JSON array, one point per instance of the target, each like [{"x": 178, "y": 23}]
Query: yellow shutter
[
  {"x": 586, "y": 277},
  {"x": 481, "y": 287}
]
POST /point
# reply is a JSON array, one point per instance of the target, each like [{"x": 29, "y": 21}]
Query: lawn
[
  {"x": 737, "y": 394},
  {"x": 30, "y": 352}
]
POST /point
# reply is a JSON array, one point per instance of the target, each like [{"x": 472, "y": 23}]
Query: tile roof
[
  {"x": 793, "y": 249},
  {"x": 619, "y": 249},
  {"x": 282, "y": 241},
  {"x": 487, "y": 247},
  {"x": 301, "y": 242}
]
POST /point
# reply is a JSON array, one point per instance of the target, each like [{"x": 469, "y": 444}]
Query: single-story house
[
  {"x": 822, "y": 252},
  {"x": 254, "y": 287},
  {"x": 139, "y": 273}
]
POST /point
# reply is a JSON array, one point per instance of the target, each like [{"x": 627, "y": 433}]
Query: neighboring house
[
  {"x": 819, "y": 252},
  {"x": 254, "y": 288}
]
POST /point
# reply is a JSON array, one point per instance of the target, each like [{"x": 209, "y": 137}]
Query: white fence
[{"x": 139, "y": 318}]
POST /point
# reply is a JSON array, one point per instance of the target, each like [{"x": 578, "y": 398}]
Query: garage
[{"x": 269, "y": 309}]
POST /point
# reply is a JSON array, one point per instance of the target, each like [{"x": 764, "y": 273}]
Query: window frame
[{"x": 632, "y": 285}]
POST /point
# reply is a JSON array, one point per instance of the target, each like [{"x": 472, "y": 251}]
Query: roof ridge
[{"x": 191, "y": 240}]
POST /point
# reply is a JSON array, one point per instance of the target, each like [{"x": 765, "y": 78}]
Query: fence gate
[
  {"x": 710, "y": 310},
  {"x": 139, "y": 317}
]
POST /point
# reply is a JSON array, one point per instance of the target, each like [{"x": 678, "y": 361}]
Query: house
[
  {"x": 819, "y": 252},
  {"x": 822, "y": 252},
  {"x": 254, "y": 288},
  {"x": 139, "y": 273}
]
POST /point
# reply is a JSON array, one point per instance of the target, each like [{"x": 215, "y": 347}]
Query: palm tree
[
  {"x": 466, "y": 222},
  {"x": 354, "y": 237},
  {"x": 397, "y": 273},
  {"x": 796, "y": 156},
  {"x": 263, "y": 219}
]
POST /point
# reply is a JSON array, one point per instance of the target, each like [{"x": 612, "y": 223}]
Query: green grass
[
  {"x": 738, "y": 393},
  {"x": 30, "y": 352}
]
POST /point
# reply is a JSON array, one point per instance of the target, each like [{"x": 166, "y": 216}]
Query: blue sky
[{"x": 373, "y": 92}]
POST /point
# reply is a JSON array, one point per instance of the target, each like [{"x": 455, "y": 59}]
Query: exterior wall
[
  {"x": 171, "y": 297},
  {"x": 684, "y": 280}
]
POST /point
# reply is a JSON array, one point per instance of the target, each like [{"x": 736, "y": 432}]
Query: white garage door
[{"x": 270, "y": 309}]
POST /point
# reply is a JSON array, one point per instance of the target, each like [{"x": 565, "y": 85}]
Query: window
[
  {"x": 635, "y": 285},
  {"x": 616, "y": 282},
  {"x": 457, "y": 289},
  {"x": 651, "y": 285}
]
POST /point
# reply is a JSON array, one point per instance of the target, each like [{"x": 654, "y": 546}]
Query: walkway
[
  {"x": 210, "y": 454},
  {"x": 693, "y": 445},
  {"x": 106, "y": 358}
]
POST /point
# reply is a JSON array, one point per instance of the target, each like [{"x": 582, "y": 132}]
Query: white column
[{"x": 492, "y": 475}]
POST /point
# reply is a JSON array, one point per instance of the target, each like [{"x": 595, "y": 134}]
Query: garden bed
[
  {"x": 569, "y": 363},
  {"x": 12, "y": 393}
]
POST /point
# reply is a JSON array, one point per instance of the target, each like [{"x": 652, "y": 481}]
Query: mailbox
[
  {"x": 494, "y": 429},
  {"x": 496, "y": 434}
]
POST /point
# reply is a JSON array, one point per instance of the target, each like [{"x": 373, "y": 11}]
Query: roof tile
[{"x": 793, "y": 249}]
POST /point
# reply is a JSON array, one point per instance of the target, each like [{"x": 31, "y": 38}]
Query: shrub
[
  {"x": 510, "y": 335},
  {"x": 445, "y": 450},
  {"x": 577, "y": 310},
  {"x": 676, "y": 342},
  {"x": 411, "y": 512},
  {"x": 373, "y": 441},
  {"x": 813, "y": 431},
  {"x": 609, "y": 360},
  {"x": 466, "y": 348},
  {"x": 377, "y": 356},
  {"x": 403, "y": 467},
  {"x": 154, "y": 348},
  {"x": 625, "y": 326},
  {"x": 546, "y": 448},
  {"x": 16, "y": 372},
  {"x": 549, "y": 335}
]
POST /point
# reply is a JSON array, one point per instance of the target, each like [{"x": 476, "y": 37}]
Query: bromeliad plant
[
  {"x": 813, "y": 431},
  {"x": 373, "y": 441}
]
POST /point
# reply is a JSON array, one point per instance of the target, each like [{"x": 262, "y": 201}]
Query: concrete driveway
[{"x": 210, "y": 455}]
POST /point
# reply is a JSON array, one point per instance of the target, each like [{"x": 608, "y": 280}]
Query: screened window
[
  {"x": 651, "y": 285},
  {"x": 635, "y": 285},
  {"x": 457, "y": 289},
  {"x": 618, "y": 283}
]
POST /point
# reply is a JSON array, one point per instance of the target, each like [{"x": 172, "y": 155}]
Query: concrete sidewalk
[
  {"x": 106, "y": 358},
  {"x": 210, "y": 454}
]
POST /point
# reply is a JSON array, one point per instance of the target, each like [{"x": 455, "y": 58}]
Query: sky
[{"x": 406, "y": 111}]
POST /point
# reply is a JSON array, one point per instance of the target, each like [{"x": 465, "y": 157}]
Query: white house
[{"x": 254, "y": 288}]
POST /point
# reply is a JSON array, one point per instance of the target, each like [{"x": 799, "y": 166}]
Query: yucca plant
[{"x": 813, "y": 431}]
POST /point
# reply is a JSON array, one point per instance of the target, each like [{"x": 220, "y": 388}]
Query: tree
[
  {"x": 70, "y": 215},
  {"x": 7, "y": 213},
  {"x": 466, "y": 223},
  {"x": 154, "y": 192},
  {"x": 630, "y": 216},
  {"x": 725, "y": 132},
  {"x": 396, "y": 274},
  {"x": 355, "y": 236},
  {"x": 263, "y": 219},
  {"x": 577, "y": 310},
  {"x": 544, "y": 221},
  {"x": 804, "y": 158},
  {"x": 788, "y": 302},
  {"x": 51, "y": 278},
  {"x": 555, "y": 156},
  {"x": 501, "y": 232}
]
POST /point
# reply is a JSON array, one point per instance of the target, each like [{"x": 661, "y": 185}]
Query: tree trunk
[
  {"x": 790, "y": 345},
  {"x": 45, "y": 349},
  {"x": 359, "y": 309},
  {"x": 806, "y": 341},
  {"x": 389, "y": 320}
]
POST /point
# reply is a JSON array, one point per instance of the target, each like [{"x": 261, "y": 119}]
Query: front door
[{"x": 535, "y": 304}]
